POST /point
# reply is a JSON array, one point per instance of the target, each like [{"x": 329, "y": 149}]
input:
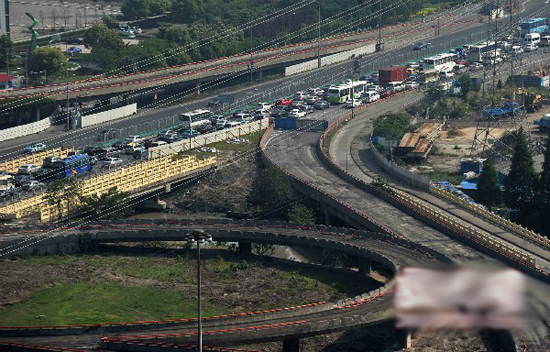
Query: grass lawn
[
  {"x": 88, "y": 302},
  {"x": 254, "y": 141}
]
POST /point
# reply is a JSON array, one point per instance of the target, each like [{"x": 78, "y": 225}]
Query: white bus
[
  {"x": 195, "y": 118},
  {"x": 480, "y": 51},
  {"x": 439, "y": 62}
]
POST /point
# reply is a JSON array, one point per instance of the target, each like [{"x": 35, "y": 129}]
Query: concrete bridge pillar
[
  {"x": 365, "y": 265},
  {"x": 245, "y": 248},
  {"x": 199, "y": 88},
  {"x": 168, "y": 188},
  {"x": 291, "y": 345}
]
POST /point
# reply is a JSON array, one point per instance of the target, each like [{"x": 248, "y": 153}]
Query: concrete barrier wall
[
  {"x": 329, "y": 60},
  {"x": 209, "y": 138},
  {"x": 109, "y": 115},
  {"x": 28, "y": 129},
  {"x": 393, "y": 169}
]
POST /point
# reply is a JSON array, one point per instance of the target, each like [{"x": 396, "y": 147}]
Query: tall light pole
[
  {"x": 198, "y": 237},
  {"x": 319, "y": 36},
  {"x": 67, "y": 80}
]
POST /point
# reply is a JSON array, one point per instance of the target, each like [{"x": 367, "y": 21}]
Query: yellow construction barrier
[
  {"x": 136, "y": 177},
  {"x": 35, "y": 158}
]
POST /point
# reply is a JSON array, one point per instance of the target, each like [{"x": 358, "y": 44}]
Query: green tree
[
  {"x": 186, "y": 11},
  {"x": 49, "y": 59},
  {"x": 110, "y": 21},
  {"x": 270, "y": 193},
  {"x": 522, "y": 178},
  {"x": 135, "y": 9},
  {"x": 6, "y": 50},
  {"x": 111, "y": 205},
  {"x": 435, "y": 94},
  {"x": 158, "y": 7},
  {"x": 488, "y": 188},
  {"x": 542, "y": 197},
  {"x": 300, "y": 214},
  {"x": 64, "y": 193},
  {"x": 100, "y": 36},
  {"x": 466, "y": 85},
  {"x": 392, "y": 126}
]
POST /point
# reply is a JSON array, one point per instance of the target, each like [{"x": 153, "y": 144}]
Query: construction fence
[
  {"x": 209, "y": 138},
  {"x": 29, "y": 128},
  {"x": 109, "y": 115},
  {"x": 329, "y": 60}
]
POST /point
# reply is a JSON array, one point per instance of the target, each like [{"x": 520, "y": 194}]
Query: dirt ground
[{"x": 226, "y": 190}]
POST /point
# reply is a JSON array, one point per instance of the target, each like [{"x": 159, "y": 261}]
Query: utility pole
[
  {"x": 380, "y": 25},
  {"x": 319, "y": 36},
  {"x": 251, "y": 57},
  {"x": 438, "y": 16},
  {"x": 67, "y": 80}
]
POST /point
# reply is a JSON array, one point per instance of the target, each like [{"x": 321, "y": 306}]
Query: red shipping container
[{"x": 392, "y": 74}]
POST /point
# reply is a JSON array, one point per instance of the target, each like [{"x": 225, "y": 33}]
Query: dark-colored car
[
  {"x": 205, "y": 129},
  {"x": 213, "y": 102},
  {"x": 421, "y": 46},
  {"x": 321, "y": 105},
  {"x": 6, "y": 194},
  {"x": 19, "y": 180},
  {"x": 306, "y": 108}
]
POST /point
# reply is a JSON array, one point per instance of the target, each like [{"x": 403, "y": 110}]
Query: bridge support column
[
  {"x": 199, "y": 88},
  {"x": 168, "y": 188},
  {"x": 405, "y": 338},
  {"x": 261, "y": 74},
  {"x": 365, "y": 266},
  {"x": 245, "y": 248},
  {"x": 291, "y": 345}
]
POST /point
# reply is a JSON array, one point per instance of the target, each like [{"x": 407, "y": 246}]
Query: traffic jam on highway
[{"x": 440, "y": 69}]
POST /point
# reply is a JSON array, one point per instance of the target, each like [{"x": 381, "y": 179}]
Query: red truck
[{"x": 392, "y": 74}]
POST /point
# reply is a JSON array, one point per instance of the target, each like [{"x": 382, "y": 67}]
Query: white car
[
  {"x": 134, "y": 139},
  {"x": 111, "y": 162},
  {"x": 295, "y": 113},
  {"x": 232, "y": 123},
  {"x": 353, "y": 103},
  {"x": 411, "y": 85},
  {"x": 220, "y": 123},
  {"x": 374, "y": 88},
  {"x": 27, "y": 169},
  {"x": 530, "y": 47},
  {"x": 264, "y": 106},
  {"x": 32, "y": 184}
]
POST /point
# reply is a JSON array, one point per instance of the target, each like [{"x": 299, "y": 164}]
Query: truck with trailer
[{"x": 392, "y": 74}]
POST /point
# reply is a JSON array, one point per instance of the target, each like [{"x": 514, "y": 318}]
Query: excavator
[{"x": 531, "y": 101}]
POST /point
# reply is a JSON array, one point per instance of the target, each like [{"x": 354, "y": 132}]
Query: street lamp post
[{"x": 198, "y": 237}]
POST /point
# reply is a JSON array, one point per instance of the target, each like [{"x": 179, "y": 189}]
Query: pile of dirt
[{"x": 225, "y": 190}]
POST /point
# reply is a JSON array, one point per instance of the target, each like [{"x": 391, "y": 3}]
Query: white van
[
  {"x": 516, "y": 50},
  {"x": 396, "y": 86},
  {"x": 544, "y": 40},
  {"x": 446, "y": 74},
  {"x": 370, "y": 96},
  {"x": 532, "y": 38},
  {"x": 460, "y": 68}
]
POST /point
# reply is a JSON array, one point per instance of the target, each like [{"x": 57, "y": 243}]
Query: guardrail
[
  {"x": 35, "y": 158},
  {"x": 418, "y": 209},
  {"x": 491, "y": 216}
]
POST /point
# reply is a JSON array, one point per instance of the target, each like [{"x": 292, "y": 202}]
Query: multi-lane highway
[{"x": 296, "y": 152}]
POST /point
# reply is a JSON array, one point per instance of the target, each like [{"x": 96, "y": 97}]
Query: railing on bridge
[
  {"x": 35, "y": 158},
  {"x": 133, "y": 178}
]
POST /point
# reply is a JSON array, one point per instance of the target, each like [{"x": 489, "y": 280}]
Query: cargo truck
[{"x": 392, "y": 74}]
